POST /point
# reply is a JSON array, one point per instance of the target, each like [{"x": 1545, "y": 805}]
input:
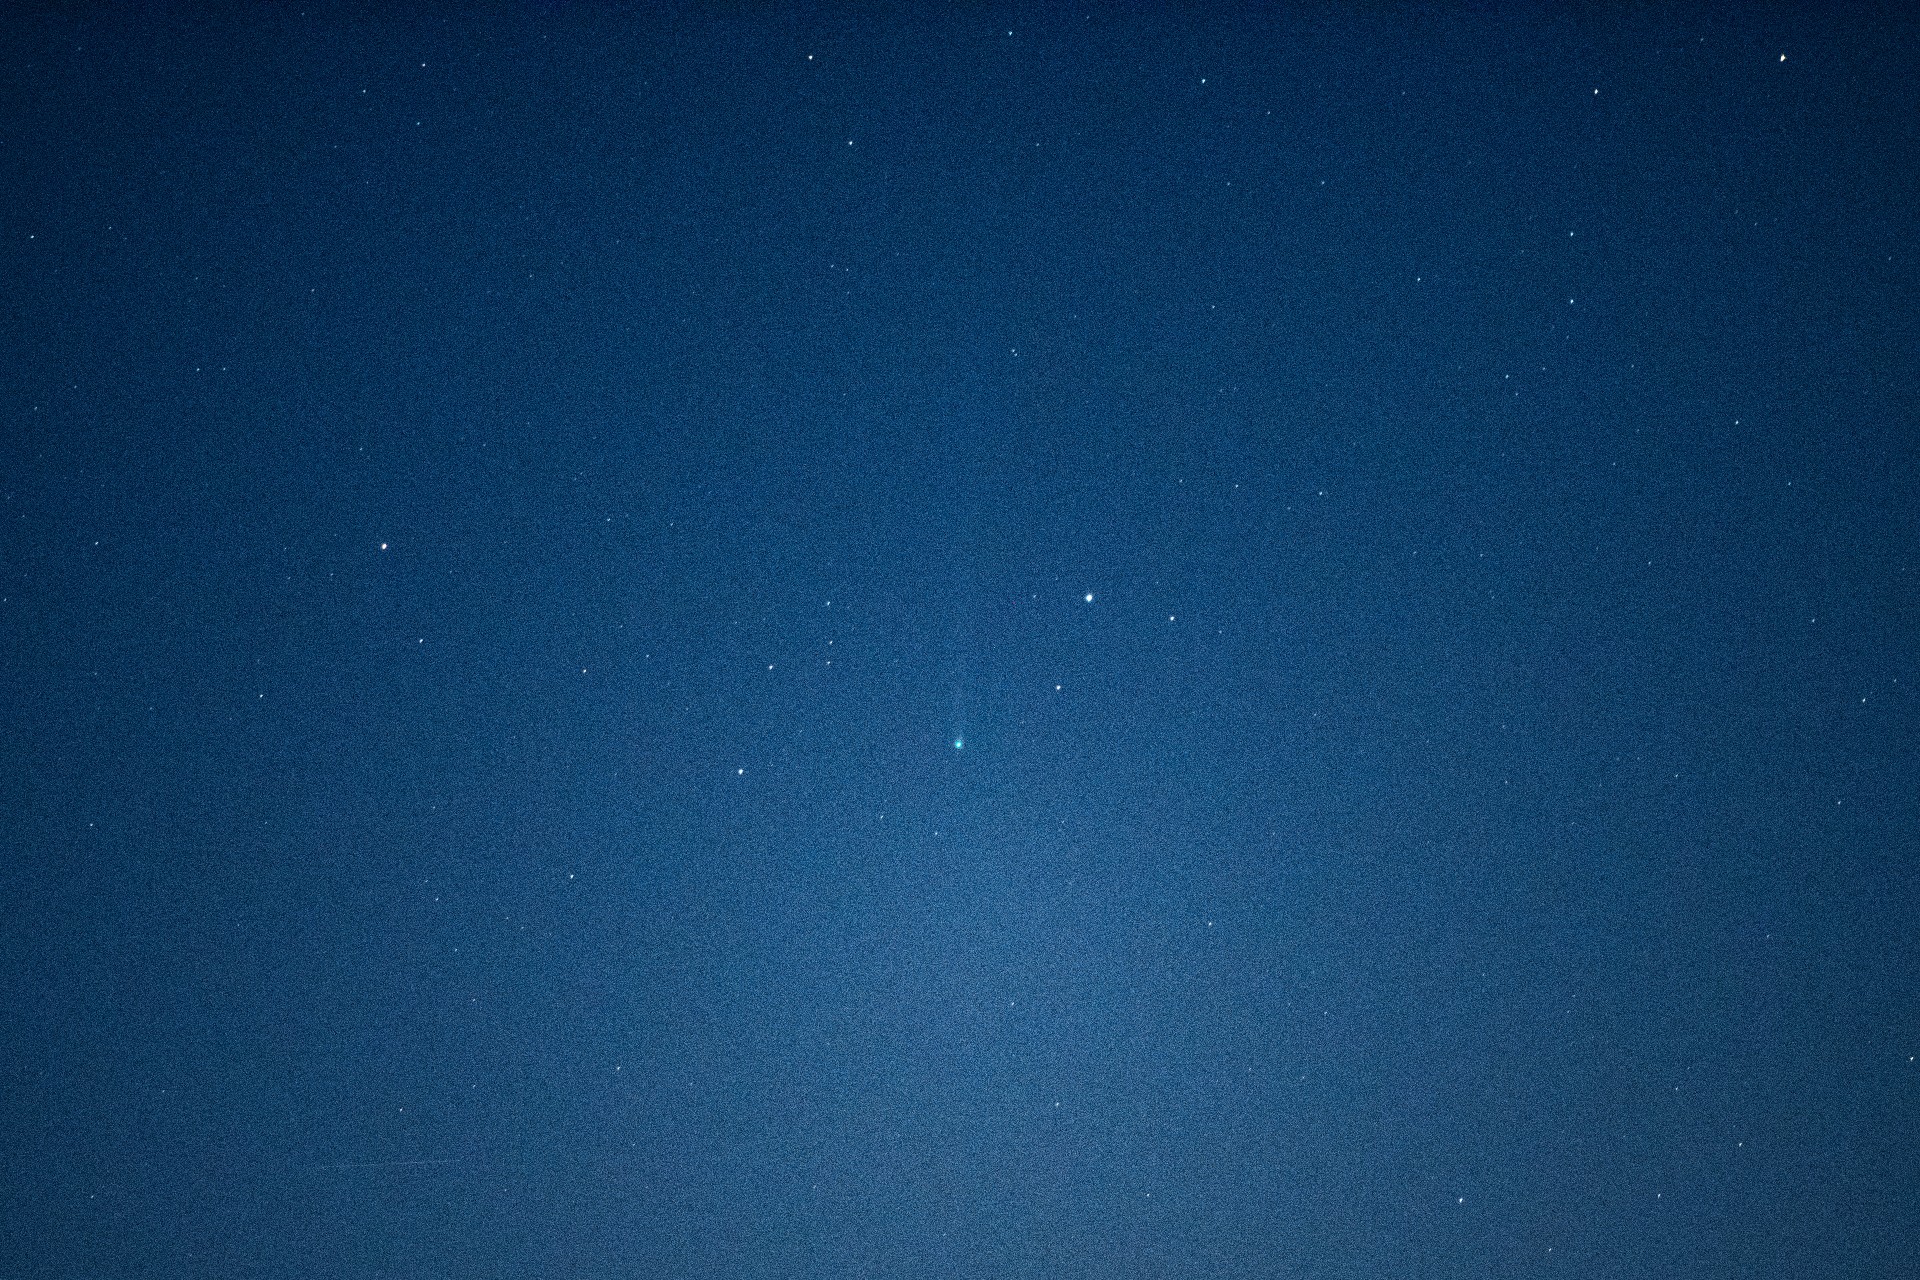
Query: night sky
[{"x": 975, "y": 641}]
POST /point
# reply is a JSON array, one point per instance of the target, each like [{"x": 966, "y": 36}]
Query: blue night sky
[{"x": 508, "y": 518}]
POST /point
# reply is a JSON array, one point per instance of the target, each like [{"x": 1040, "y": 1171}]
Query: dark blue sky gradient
[{"x": 505, "y": 515}]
